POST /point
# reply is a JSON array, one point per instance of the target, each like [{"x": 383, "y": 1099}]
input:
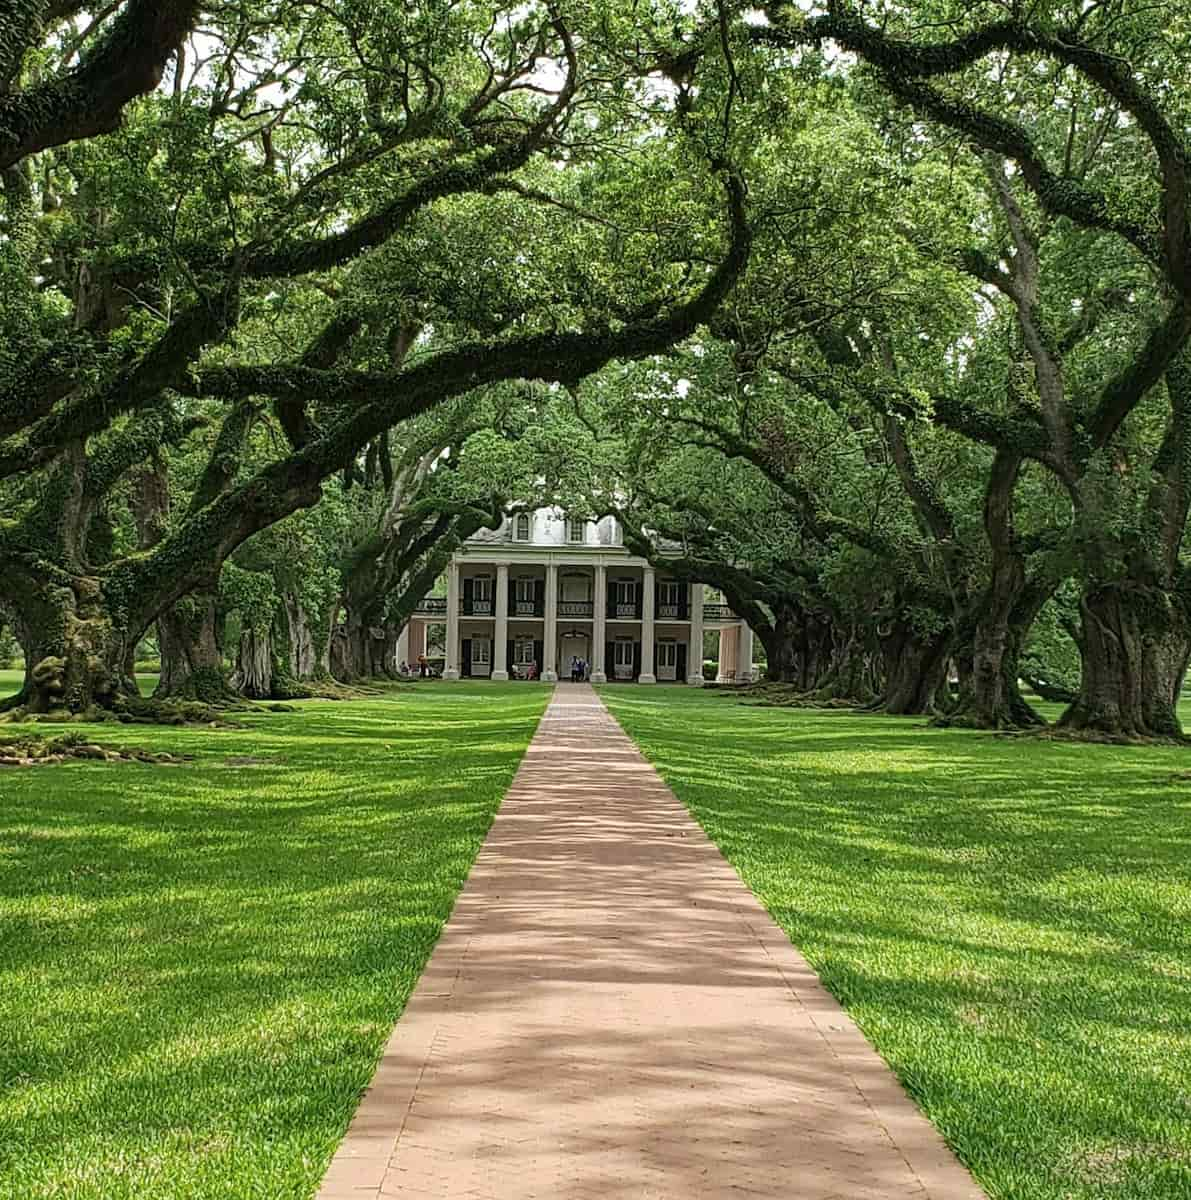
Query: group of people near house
[{"x": 580, "y": 669}]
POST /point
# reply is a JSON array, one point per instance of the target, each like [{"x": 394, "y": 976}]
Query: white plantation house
[{"x": 546, "y": 588}]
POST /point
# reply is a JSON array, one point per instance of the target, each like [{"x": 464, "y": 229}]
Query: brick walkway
[{"x": 610, "y": 1014}]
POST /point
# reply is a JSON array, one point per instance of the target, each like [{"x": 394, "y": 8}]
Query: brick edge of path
[{"x": 433, "y": 1124}]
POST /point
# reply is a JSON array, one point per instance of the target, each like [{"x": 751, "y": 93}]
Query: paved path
[{"x": 610, "y": 1014}]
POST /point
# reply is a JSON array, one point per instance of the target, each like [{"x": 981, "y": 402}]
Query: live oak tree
[
  {"x": 705, "y": 519},
  {"x": 457, "y": 472},
  {"x": 1070, "y": 81},
  {"x": 295, "y": 142},
  {"x": 794, "y": 389},
  {"x": 309, "y": 253}
]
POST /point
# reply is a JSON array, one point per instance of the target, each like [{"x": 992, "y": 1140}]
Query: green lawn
[
  {"x": 1008, "y": 920},
  {"x": 199, "y": 964}
]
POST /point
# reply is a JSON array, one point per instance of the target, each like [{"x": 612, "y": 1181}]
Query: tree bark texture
[{"x": 1136, "y": 644}]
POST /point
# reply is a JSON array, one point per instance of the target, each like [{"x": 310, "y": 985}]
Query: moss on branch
[{"x": 128, "y": 61}]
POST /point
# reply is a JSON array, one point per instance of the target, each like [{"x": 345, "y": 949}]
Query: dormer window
[
  {"x": 576, "y": 530},
  {"x": 521, "y": 527}
]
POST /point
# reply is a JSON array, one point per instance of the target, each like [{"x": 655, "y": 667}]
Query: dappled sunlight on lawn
[
  {"x": 1009, "y": 919},
  {"x": 199, "y": 964}
]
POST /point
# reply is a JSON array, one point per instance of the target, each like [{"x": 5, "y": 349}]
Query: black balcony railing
[
  {"x": 575, "y": 608},
  {"x": 436, "y": 606},
  {"x": 718, "y": 612}
]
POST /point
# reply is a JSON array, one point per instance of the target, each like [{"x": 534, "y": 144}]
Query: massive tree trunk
[
  {"x": 816, "y": 643},
  {"x": 991, "y": 635},
  {"x": 190, "y": 632},
  {"x": 190, "y": 636},
  {"x": 76, "y": 652},
  {"x": 1135, "y": 644},
  {"x": 781, "y": 642},
  {"x": 303, "y": 662},
  {"x": 915, "y": 670},
  {"x": 988, "y": 663},
  {"x": 1135, "y": 633},
  {"x": 798, "y": 646},
  {"x": 348, "y": 649},
  {"x": 851, "y": 674},
  {"x": 254, "y": 663},
  {"x": 360, "y": 650}
]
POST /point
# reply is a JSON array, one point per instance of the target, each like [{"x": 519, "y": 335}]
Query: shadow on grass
[
  {"x": 1009, "y": 921},
  {"x": 199, "y": 965}
]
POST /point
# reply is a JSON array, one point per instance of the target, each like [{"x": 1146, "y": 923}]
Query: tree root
[
  {"x": 1057, "y": 733},
  {"x": 787, "y": 695},
  {"x": 34, "y": 750},
  {"x": 137, "y": 710},
  {"x": 356, "y": 689}
]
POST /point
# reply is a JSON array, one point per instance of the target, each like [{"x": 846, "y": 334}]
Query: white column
[
  {"x": 500, "y": 666},
  {"x": 403, "y": 646},
  {"x": 721, "y": 674},
  {"x": 694, "y": 652},
  {"x": 550, "y": 633},
  {"x": 451, "y": 666},
  {"x": 647, "y": 618},
  {"x": 744, "y": 653},
  {"x": 599, "y": 626}
]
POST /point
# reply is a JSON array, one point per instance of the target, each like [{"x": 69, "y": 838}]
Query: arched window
[{"x": 522, "y": 530}]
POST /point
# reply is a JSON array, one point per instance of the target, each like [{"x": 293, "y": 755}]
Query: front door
[{"x": 571, "y": 645}]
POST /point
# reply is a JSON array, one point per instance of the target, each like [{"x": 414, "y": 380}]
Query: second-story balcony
[
  {"x": 436, "y": 606},
  {"x": 576, "y": 608}
]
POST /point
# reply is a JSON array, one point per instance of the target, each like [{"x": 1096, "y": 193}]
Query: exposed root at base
[
  {"x": 785, "y": 695},
  {"x": 140, "y": 711},
  {"x": 1055, "y": 733},
  {"x": 33, "y": 750}
]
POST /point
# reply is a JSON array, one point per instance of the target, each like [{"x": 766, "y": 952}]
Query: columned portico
[
  {"x": 727, "y": 671},
  {"x": 500, "y": 663},
  {"x": 451, "y": 667},
  {"x": 695, "y": 661},
  {"x": 550, "y": 646},
  {"x": 648, "y": 612},
  {"x": 599, "y": 625},
  {"x": 540, "y": 595}
]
